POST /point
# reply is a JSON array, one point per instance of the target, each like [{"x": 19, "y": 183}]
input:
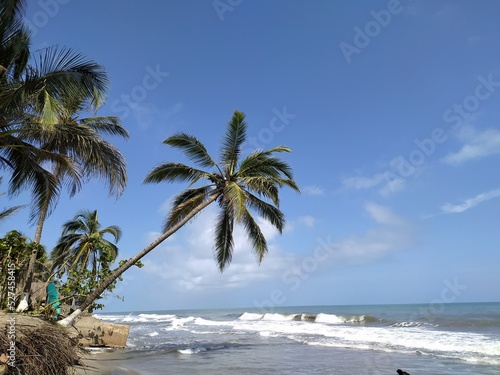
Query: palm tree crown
[
  {"x": 82, "y": 244},
  {"x": 237, "y": 186}
]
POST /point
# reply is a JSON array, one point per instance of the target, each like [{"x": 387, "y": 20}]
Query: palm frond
[
  {"x": 175, "y": 172},
  {"x": 255, "y": 235},
  {"x": 9, "y": 211},
  {"x": 263, "y": 186},
  {"x": 234, "y": 138},
  {"x": 68, "y": 74},
  {"x": 268, "y": 187},
  {"x": 184, "y": 203},
  {"x": 224, "y": 244},
  {"x": 109, "y": 125},
  {"x": 113, "y": 230},
  {"x": 92, "y": 155},
  {"x": 269, "y": 212},
  {"x": 51, "y": 110},
  {"x": 261, "y": 162},
  {"x": 14, "y": 48},
  {"x": 192, "y": 147},
  {"x": 28, "y": 173},
  {"x": 234, "y": 199}
]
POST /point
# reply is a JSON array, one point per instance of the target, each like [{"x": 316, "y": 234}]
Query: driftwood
[{"x": 34, "y": 346}]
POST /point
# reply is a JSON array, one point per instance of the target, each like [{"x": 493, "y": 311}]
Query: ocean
[{"x": 459, "y": 338}]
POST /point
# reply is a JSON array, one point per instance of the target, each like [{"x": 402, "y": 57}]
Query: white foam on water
[
  {"x": 192, "y": 350},
  {"x": 328, "y": 330},
  {"x": 250, "y": 316},
  {"x": 329, "y": 319},
  {"x": 178, "y": 323},
  {"x": 141, "y": 318},
  {"x": 332, "y": 330},
  {"x": 110, "y": 318},
  {"x": 206, "y": 322},
  {"x": 278, "y": 317},
  {"x": 156, "y": 317}
]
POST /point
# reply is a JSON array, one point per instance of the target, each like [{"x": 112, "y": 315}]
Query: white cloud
[
  {"x": 392, "y": 235},
  {"x": 308, "y": 221},
  {"x": 361, "y": 182},
  {"x": 393, "y": 185},
  {"x": 388, "y": 182},
  {"x": 477, "y": 145},
  {"x": 189, "y": 264},
  {"x": 313, "y": 190},
  {"x": 469, "y": 203},
  {"x": 383, "y": 215}
]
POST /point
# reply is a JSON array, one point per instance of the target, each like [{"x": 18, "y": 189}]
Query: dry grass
[{"x": 41, "y": 347}]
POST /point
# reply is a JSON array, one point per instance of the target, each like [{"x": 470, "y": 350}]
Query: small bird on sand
[{"x": 401, "y": 372}]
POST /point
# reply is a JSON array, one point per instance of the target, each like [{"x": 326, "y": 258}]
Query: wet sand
[{"x": 103, "y": 362}]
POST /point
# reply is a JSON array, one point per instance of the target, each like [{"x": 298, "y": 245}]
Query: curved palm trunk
[
  {"x": 66, "y": 322},
  {"x": 30, "y": 273}
]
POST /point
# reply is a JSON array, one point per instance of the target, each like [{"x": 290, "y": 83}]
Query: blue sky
[{"x": 392, "y": 111}]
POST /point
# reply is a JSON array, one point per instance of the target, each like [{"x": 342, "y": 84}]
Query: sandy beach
[{"x": 103, "y": 362}]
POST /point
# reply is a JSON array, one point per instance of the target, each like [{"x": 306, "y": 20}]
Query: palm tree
[
  {"x": 34, "y": 98},
  {"x": 16, "y": 155},
  {"x": 236, "y": 186},
  {"x": 42, "y": 141},
  {"x": 83, "y": 245}
]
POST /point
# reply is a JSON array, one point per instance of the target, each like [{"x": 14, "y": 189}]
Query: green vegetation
[{"x": 15, "y": 254}]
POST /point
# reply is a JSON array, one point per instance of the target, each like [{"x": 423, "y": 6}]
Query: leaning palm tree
[
  {"x": 82, "y": 244},
  {"x": 237, "y": 186}
]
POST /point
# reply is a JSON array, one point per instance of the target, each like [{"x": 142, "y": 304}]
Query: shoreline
[{"x": 103, "y": 361}]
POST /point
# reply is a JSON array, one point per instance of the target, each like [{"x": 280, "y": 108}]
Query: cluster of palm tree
[
  {"x": 45, "y": 146},
  {"x": 84, "y": 255}
]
